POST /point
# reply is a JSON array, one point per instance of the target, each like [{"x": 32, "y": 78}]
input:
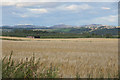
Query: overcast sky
[{"x": 52, "y": 13}]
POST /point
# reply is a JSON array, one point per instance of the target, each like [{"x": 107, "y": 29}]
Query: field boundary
[{"x": 52, "y": 39}]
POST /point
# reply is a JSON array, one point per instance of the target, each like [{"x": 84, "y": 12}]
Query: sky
[{"x": 53, "y": 13}]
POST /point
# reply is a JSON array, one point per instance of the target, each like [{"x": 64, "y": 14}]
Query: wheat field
[{"x": 85, "y": 57}]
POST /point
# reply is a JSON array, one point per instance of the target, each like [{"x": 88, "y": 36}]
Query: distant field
[
  {"x": 70, "y": 39},
  {"x": 93, "y": 57}
]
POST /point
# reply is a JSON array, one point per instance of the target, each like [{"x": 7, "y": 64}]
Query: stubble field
[{"x": 74, "y": 57}]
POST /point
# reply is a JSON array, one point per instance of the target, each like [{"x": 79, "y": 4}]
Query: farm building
[{"x": 30, "y": 36}]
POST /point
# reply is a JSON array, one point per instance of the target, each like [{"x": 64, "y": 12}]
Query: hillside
[{"x": 61, "y": 31}]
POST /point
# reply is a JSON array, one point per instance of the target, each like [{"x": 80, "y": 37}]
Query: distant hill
[
  {"x": 92, "y": 25},
  {"x": 113, "y": 31},
  {"x": 61, "y": 26},
  {"x": 23, "y": 26},
  {"x": 72, "y": 30},
  {"x": 98, "y": 29},
  {"x": 57, "y": 26}
]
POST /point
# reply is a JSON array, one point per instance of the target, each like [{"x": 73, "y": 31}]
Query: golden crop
[{"x": 85, "y": 57}]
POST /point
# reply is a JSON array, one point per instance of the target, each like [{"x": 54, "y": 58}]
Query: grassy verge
[
  {"x": 28, "y": 68},
  {"x": 11, "y": 39},
  {"x": 34, "y": 68}
]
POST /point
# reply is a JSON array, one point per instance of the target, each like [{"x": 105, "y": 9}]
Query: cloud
[
  {"x": 78, "y": 7},
  {"x": 111, "y": 19},
  {"x": 105, "y": 8},
  {"x": 60, "y": 1},
  {"x": 107, "y": 20},
  {"x": 72, "y": 7},
  {"x": 23, "y": 4},
  {"x": 27, "y": 4},
  {"x": 42, "y": 10},
  {"x": 30, "y": 12},
  {"x": 23, "y": 15},
  {"x": 8, "y": 3}
]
